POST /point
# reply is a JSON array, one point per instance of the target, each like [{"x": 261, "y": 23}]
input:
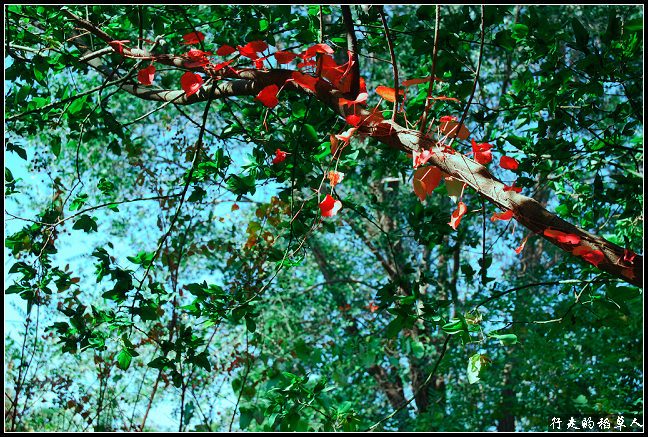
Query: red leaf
[
  {"x": 330, "y": 206},
  {"x": 519, "y": 249},
  {"x": 506, "y": 215},
  {"x": 508, "y": 163},
  {"x": 513, "y": 188},
  {"x": 457, "y": 214},
  {"x": 284, "y": 57},
  {"x": 225, "y": 50},
  {"x": 569, "y": 239},
  {"x": 595, "y": 257},
  {"x": 482, "y": 152},
  {"x": 279, "y": 156},
  {"x": 317, "y": 48},
  {"x": 353, "y": 119},
  {"x": 581, "y": 250},
  {"x": 346, "y": 136},
  {"x": 448, "y": 118},
  {"x": 335, "y": 177},
  {"x": 257, "y": 46},
  {"x": 388, "y": 93},
  {"x": 194, "y": 37},
  {"x": 146, "y": 75},
  {"x": 118, "y": 46},
  {"x": 268, "y": 96},
  {"x": 628, "y": 255},
  {"x": 305, "y": 80},
  {"x": 191, "y": 83},
  {"x": 362, "y": 97}
]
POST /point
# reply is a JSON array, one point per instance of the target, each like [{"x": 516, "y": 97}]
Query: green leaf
[
  {"x": 506, "y": 339},
  {"x": 520, "y": 31},
  {"x": 85, "y": 222},
  {"x": 17, "y": 149},
  {"x": 124, "y": 359},
  {"x": 78, "y": 202},
  {"x": 77, "y": 105},
  {"x": 474, "y": 368},
  {"x": 582, "y": 37}
]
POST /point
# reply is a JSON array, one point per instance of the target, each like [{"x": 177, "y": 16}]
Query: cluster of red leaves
[{"x": 581, "y": 250}]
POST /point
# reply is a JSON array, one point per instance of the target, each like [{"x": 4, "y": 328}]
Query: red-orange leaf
[
  {"x": 519, "y": 249},
  {"x": 457, "y": 214},
  {"x": 346, "y": 136},
  {"x": 334, "y": 144},
  {"x": 411, "y": 82},
  {"x": 268, "y": 96},
  {"x": 191, "y": 82},
  {"x": 388, "y": 93},
  {"x": 362, "y": 97},
  {"x": 581, "y": 250},
  {"x": 335, "y": 177},
  {"x": 450, "y": 126},
  {"x": 506, "y": 215},
  {"x": 594, "y": 257},
  {"x": 425, "y": 180}
]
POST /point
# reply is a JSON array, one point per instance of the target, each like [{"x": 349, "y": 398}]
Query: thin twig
[
  {"x": 393, "y": 60},
  {"x": 434, "y": 58},
  {"x": 472, "y": 93}
]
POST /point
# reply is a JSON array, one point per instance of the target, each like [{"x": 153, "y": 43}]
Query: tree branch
[{"x": 527, "y": 211}]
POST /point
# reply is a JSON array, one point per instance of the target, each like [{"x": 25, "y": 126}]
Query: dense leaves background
[{"x": 238, "y": 308}]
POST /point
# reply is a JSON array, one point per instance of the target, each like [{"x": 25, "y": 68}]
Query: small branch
[
  {"x": 434, "y": 58},
  {"x": 393, "y": 60},
  {"x": 472, "y": 93},
  {"x": 352, "y": 46}
]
